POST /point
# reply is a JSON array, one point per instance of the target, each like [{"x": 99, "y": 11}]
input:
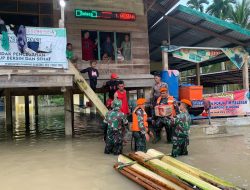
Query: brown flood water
[{"x": 51, "y": 162}]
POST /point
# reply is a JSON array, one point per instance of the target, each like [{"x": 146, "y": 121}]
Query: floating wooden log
[
  {"x": 135, "y": 178},
  {"x": 144, "y": 178},
  {"x": 168, "y": 169},
  {"x": 216, "y": 181},
  {"x": 173, "y": 179},
  {"x": 148, "y": 174}
]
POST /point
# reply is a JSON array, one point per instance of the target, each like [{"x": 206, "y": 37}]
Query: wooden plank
[
  {"x": 140, "y": 20},
  {"x": 68, "y": 109},
  {"x": 84, "y": 87},
  {"x": 140, "y": 51},
  {"x": 139, "y": 35},
  {"x": 140, "y": 43},
  {"x": 15, "y": 81},
  {"x": 141, "y": 61},
  {"x": 122, "y": 29}
]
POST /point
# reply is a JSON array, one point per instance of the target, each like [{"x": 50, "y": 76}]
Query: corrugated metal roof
[
  {"x": 189, "y": 27},
  {"x": 158, "y": 8}
]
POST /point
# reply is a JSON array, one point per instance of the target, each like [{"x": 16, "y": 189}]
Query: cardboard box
[{"x": 163, "y": 110}]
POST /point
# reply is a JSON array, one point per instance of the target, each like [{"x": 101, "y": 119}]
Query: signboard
[
  {"x": 93, "y": 14},
  {"x": 196, "y": 55},
  {"x": 41, "y": 47},
  {"x": 237, "y": 55},
  {"x": 197, "y": 103},
  {"x": 230, "y": 103}
]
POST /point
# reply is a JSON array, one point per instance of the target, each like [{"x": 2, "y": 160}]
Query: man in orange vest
[
  {"x": 164, "y": 99},
  {"x": 140, "y": 126}
]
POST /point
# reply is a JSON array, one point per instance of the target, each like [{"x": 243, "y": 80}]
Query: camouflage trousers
[
  {"x": 140, "y": 141},
  {"x": 180, "y": 146},
  {"x": 114, "y": 140},
  {"x": 160, "y": 123}
]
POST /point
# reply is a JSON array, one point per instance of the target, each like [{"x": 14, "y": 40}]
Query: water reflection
[{"x": 49, "y": 125}]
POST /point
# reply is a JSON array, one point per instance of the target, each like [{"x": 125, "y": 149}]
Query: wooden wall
[{"x": 138, "y": 31}]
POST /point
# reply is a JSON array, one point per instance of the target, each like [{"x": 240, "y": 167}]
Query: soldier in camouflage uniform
[
  {"x": 116, "y": 122},
  {"x": 181, "y": 125},
  {"x": 161, "y": 122},
  {"x": 140, "y": 126}
]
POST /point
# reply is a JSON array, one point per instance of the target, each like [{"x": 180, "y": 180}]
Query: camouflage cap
[{"x": 116, "y": 103}]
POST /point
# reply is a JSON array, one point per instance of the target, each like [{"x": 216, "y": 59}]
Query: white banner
[{"x": 45, "y": 47}]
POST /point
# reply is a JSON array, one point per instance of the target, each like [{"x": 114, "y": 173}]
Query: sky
[{"x": 184, "y": 2}]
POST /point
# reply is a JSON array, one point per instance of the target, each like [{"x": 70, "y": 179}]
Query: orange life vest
[
  {"x": 135, "y": 126},
  {"x": 170, "y": 103}
]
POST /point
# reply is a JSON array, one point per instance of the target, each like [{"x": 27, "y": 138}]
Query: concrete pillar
[
  {"x": 68, "y": 103},
  {"x": 27, "y": 110},
  {"x": 36, "y": 105},
  {"x": 198, "y": 74},
  {"x": 245, "y": 76},
  {"x": 8, "y": 108},
  {"x": 164, "y": 60}
]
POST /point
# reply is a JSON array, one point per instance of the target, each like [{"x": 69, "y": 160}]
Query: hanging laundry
[
  {"x": 5, "y": 38},
  {"x": 5, "y": 41},
  {"x": 21, "y": 39}
]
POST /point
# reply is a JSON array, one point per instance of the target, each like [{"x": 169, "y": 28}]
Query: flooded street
[{"x": 42, "y": 158}]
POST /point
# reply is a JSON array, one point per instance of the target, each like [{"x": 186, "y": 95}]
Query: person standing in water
[
  {"x": 121, "y": 94},
  {"x": 116, "y": 121},
  {"x": 140, "y": 126}
]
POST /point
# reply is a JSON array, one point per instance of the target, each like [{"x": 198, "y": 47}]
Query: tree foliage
[
  {"x": 221, "y": 8},
  {"x": 241, "y": 13},
  {"x": 197, "y": 4}
]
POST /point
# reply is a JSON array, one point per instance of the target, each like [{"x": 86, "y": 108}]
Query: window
[
  {"x": 29, "y": 13},
  {"x": 107, "y": 47}
]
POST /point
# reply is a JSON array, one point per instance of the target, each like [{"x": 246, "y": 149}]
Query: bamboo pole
[
  {"x": 164, "y": 175},
  {"x": 216, "y": 181},
  {"x": 168, "y": 169},
  {"x": 150, "y": 175}
]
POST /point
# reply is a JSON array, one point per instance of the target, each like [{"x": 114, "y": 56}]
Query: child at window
[
  {"x": 92, "y": 73},
  {"x": 70, "y": 54},
  {"x": 106, "y": 58}
]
